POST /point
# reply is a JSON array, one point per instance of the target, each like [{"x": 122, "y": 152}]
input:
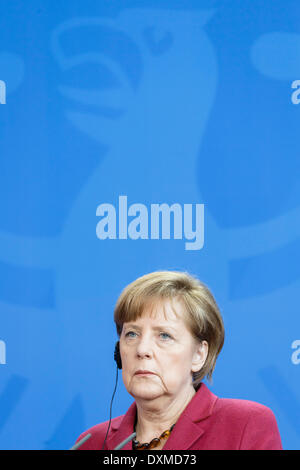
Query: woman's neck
[{"x": 158, "y": 415}]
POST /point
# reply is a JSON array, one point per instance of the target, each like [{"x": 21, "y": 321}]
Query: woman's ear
[{"x": 200, "y": 356}]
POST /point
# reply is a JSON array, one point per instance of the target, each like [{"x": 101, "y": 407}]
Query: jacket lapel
[
  {"x": 121, "y": 429},
  {"x": 183, "y": 440},
  {"x": 188, "y": 428}
]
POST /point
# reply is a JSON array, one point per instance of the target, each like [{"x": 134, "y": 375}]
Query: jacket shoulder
[
  {"x": 241, "y": 408},
  {"x": 243, "y": 411},
  {"x": 256, "y": 423},
  {"x": 98, "y": 434}
]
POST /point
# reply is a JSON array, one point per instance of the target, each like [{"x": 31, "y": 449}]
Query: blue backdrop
[{"x": 187, "y": 102}]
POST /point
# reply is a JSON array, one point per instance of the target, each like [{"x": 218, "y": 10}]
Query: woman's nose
[{"x": 144, "y": 347}]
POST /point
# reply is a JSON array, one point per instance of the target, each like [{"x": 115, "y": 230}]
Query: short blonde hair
[{"x": 201, "y": 313}]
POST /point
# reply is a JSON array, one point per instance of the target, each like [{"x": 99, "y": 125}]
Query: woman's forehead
[{"x": 166, "y": 310}]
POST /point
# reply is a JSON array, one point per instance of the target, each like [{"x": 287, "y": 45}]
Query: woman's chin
[{"x": 145, "y": 391}]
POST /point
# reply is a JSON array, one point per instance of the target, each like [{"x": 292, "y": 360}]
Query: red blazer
[{"x": 207, "y": 423}]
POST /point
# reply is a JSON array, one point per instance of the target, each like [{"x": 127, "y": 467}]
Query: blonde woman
[{"x": 170, "y": 334}]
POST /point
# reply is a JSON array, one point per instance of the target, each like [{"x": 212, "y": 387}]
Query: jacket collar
[
  {"x": 121, "y": 428},
  {"x": 199, "y": 408}
]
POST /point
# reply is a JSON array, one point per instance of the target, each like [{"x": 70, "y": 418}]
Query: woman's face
[{"x": 159, "y": 353}]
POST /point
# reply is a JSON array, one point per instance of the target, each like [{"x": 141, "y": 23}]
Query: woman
[{"x": 171, "y": 332}]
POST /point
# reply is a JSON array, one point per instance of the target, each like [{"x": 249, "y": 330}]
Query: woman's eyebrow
[
  {"x": 164, "y": 327},
  {"x": 131, "y": 325}
]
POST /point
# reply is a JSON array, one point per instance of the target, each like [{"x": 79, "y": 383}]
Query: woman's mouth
[{"x": 144, "y": 372}]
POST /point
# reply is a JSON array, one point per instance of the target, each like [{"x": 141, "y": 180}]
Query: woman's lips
[{"x": 144, "y": 372}]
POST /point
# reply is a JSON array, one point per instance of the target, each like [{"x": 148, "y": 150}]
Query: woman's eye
[
  {"x": 165, "y": 336},
  {"x": 130, "y": 334}
]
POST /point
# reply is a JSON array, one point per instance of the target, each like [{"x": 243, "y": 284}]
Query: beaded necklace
[{"x": 154, "y": 443}]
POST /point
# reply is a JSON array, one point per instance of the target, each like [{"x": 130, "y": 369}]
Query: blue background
[{"x": 162, "y": 101}]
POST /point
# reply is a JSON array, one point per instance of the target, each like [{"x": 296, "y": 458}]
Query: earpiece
[{"x": 117, "y": 355}]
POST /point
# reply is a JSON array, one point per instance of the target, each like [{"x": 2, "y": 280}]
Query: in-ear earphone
[{"x": 117, "y": 355}]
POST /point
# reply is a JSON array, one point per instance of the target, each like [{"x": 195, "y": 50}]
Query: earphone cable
[{"x": 110, "y": 412}]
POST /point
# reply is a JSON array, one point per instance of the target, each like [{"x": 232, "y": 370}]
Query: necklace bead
[{"x": 154, "y": 443}]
